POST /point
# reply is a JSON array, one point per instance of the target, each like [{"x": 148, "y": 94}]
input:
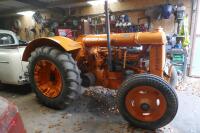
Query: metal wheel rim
[
  {"x": 48, "y": 78},
  {"x": 152, "y": 97}
]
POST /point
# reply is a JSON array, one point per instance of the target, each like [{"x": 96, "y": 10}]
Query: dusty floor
[{"x": 95, "y": 113}]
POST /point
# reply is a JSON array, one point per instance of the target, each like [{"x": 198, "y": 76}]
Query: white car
[{"x": 12, "y": 69}]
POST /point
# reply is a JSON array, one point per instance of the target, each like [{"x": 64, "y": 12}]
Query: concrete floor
[{"x": 93, "y": 115}]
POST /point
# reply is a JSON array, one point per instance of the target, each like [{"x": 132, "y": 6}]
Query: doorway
[{"x": 195, "y": 51}]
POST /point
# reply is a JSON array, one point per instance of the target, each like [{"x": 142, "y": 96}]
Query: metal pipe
[
  {"x": 108, "y": 36},
  {"x": 126, "y": 39}
]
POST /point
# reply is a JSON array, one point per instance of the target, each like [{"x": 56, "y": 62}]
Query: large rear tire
[
  {"x": 54, "y": 76},
  {"x": 147, "y": 101}
]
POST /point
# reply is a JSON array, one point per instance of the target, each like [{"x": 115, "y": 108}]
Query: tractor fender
[{"x": 56, "y": 41}]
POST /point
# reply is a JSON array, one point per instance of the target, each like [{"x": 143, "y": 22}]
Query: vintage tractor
[{"x": 58, "y": 66}]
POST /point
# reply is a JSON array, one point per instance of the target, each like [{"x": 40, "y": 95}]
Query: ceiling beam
[
  {"x": 40, "y": 4},
  {"x": 65, "y": 2},
  {"x": 12, "y": 12},
  {"x": 57, "y": 6},
  {"x": 34, "y": 3}
]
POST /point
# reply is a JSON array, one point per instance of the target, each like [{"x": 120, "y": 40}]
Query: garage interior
[{"x": 96, "y": 110}]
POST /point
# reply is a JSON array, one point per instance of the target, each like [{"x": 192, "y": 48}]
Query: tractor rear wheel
[
  {"x": 147, "y": 101},
  {"x": 54, "y": 76}
]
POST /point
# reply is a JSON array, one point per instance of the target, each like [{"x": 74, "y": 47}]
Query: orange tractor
[{"x": 58, "y": 66}]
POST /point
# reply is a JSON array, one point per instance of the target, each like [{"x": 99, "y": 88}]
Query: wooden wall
[{"x": 138, "y": 6}]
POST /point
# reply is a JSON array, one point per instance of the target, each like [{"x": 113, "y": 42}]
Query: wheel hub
[
  {"x": 145, "y": 103},
  {"x": 145, "y": 106},
  {"x": 52, "y": 77}
]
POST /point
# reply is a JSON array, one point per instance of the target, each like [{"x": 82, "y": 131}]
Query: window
[{"x": 6, "y": 39}]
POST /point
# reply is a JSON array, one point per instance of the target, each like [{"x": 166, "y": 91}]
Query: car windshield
[{"x": 6, "y": 39}]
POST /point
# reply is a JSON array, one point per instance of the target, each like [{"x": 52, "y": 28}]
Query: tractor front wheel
[
  {"x": 54, "y": 76},
  {"x": 147, "y": 101}
]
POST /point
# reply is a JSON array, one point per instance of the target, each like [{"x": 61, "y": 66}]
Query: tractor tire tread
[
  {"x": 71, "y": 76},
  {"x": 151, "y": 80}
]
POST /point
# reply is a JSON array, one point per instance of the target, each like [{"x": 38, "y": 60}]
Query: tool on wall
[
  {"x": 17, "y": 26},
  {"x": 179, "y": 15},
  {"x": 39, "y": 19},
  {"x": 160, "y": 11},
  {"x": 148, "y": 22},
  {"x": 154, "y": 12},
  {"x": 167, "y": 10}
]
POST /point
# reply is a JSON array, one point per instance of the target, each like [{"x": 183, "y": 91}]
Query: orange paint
[
  {"x": 147, "y": 96},
  {"x": 90, "y": 51},
  {"x": 126, "y": 39},
  {"x": 60, "y": 42},
  {"x": 48, "y": 78}
]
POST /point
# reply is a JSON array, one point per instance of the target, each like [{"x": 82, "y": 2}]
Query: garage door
[{"x": 195, "y": 58}]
